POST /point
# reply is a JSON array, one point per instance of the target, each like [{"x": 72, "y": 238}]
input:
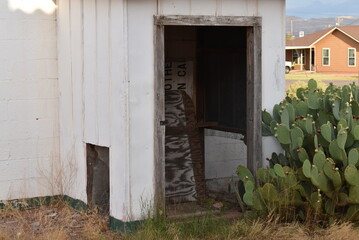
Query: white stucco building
[{"x": 79, "y": 77}]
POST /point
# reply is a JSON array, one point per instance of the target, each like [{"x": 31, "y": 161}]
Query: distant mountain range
[
  {"x": 322, "y": 8},
  {"x": 313, "y": 25}
]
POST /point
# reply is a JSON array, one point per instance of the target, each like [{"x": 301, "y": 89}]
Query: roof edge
[
  {"x": 297, "y": 47},
  {"x": 319, "y": 39},
  {"x": 348, "y": 35}
]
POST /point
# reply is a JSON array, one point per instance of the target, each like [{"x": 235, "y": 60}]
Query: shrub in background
[
  {"x": 292, "y": 89},
  {"x": 317, "y": 175}
]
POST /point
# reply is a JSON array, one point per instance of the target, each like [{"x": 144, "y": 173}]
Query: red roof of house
[{"x": 306, "y": 41}]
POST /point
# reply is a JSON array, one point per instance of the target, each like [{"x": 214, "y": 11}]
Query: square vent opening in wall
[{"x": 98, "y": 177}]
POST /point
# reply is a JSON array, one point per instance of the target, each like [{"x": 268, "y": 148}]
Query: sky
[{"x": 322, "y": 8}]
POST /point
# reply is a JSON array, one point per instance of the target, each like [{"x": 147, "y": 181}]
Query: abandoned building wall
[
  {"x": 273, "y": 58},
  {"x": 141, "y": 67},
  {"x": 29, "y": 147},
  {"x": 106, "y": 71},
  {"x": 94, "y": 94}
]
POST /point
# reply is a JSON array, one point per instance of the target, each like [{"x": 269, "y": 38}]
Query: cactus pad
[
  {"x": 355, "y": 108},
  {"x": 291, "y": 112},
  {"x": 283, "y": 134},
  {"x": 326, "y": 131},
  {"x": 313, "y": 101},
  {"x": 335, "y": 151},
  {"x": 307, "y": 169},
  {"x": 302, "y": 154},
  {"x": 284, "y": 117},
  {"x": 329, "y": 207},
  {"x": 343, "y": 199},
  {"x": 354, "y": 194},
  {"x": 244, "y": 174},
  {"x": 312, "y": 84},
  {"x": 356, "y": 132},
  {"x": 352, "y": 213},
  {"x": 276, "y": 114},
  {"x": 315, "y": 176},
  {"x": 273, "y": 125},
  {"x": 248, "y": 195},
  {"x": 248, "y": 198},
  {"x": 269, "y": 193},
  {"x": 316, "y": 142},
  {"x": 300, "y": 93},
  {"x": 353, "y": 157},
  {"x": 290, "y": 180},
  {"x": 342, "y": 138},
  {"x": 350, "y": 140},
  {"x": 266, "y": 117},
  {"x": 336, "y": 109},
  {"x": 263, "y": 175},
  {"x": 333, "y": 174},
  {"x": 351, "y": 175},
  {"x": 325, "y": 185},
  {"x": 278, "y": 169},
  {"x": 297, "y": 136},
  {"x": 301, "y": 109},
  {"x": 266, "y": 130},
  {"x": 309, "y": 125},
  {"x": 319, "y": 160},
  {"x": 257, "y": 202}
]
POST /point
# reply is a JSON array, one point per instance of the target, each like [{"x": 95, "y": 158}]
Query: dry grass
[
  {"x": 338, "y": 231},
  {"x": 322, "y": 76},
  {"x": 295, "y": 231},
  {"x": 55, "y": 221},
  {"x": 60, "y": 221},
  {"x": 210, "y": 228}
]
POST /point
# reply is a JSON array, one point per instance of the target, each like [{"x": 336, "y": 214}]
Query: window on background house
[
  {"x": 351, "y": 57},
  {"x": 326, "y": 56}
]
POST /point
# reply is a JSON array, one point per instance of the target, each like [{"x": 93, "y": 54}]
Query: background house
[
  {"x": 331, "y": 50},
  {"x": 86, "y": 84}
]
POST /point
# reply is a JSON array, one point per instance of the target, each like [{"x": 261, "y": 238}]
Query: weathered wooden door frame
[{"x": 254, "y": 89}]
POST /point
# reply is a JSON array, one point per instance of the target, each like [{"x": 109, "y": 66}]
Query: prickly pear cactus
[{"x": 319, "y": 132}]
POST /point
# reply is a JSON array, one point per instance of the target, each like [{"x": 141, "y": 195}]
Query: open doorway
[
  {"x": 312, "y": 59},
  {"x": 205, "y": 107},
  {"x": 209, "y": 107}
]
